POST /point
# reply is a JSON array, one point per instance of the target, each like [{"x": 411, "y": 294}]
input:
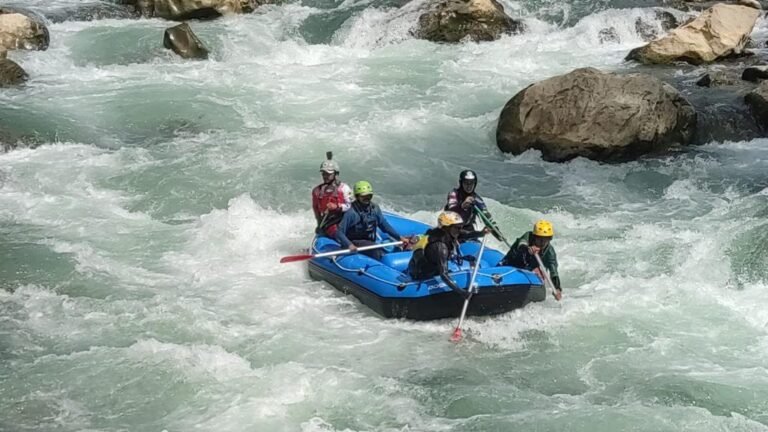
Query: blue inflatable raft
[{"x": 387, "y": 288}]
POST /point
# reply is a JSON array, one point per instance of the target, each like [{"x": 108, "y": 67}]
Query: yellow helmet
[
  {"x": 543, "y": 228},
  {"x": 448, "y": 218}
]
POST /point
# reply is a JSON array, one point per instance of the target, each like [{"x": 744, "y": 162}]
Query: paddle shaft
[
  {"x": 545, "y": 272},
  {"x": 295, "y": 258},
  {"x": 360, "y": 249},
  {"x": 457, "y": 331},
  {"x": 492, "y": 226}
]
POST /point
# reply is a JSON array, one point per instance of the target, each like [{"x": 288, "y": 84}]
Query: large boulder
[
  {"x": 757, "y": 100},
  {"x": 22, "y": 29},
  {"x": 188, "y": 9},
  {"x": 456, "y": 20},
  {"x": 11, "y": 74},
  {"x": 720, "y": 31},
  {"x": 600, "y": 116},
  {"x": 181, "y": 40}
]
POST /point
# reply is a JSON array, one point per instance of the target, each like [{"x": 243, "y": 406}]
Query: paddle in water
[
  {"x": 304, "y": 257},
  {"x": 456, "y": 336}
]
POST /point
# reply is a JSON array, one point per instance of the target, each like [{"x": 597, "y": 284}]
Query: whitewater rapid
[{"x": 140, "y": 235}]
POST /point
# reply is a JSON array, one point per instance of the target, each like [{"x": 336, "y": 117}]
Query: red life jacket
[{"x": 322, "y": 195}]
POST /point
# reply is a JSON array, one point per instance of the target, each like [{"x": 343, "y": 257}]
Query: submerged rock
[
  {"x": 455, "y": 20},
  {"x": 22, "y": 29},
  {"x": 181, "y": 40},
  {"x": 608, "y": 35},
  {"x": 717, "y": 33},
  {"x": 757, "y": 100},
  {"x": 649, "y": 31},
  {"x": 715, "y": 79},
  {"x": 597, "y": 115},
  {"x": 11, "y": 74}
]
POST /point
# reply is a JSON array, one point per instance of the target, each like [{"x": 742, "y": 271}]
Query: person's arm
[
  {"x": 466, "y": 234},
  {"x": 443, "y": 255},
  {"x": 550, "y": 262},
  {"x": 522, "y": 243},
  {"x": 523, "y": 248},
  {"x": 346, "y": 191},
  {"x": 480, "y": 204},
  {"x": 453, "y": 203},
  {"x": 556, "y": 281},
  {"x": 385, "y": 226},
  {"x": 341, "y": 232}
]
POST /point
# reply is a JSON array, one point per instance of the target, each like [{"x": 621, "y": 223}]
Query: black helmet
[{"x": 467, "y": 175}]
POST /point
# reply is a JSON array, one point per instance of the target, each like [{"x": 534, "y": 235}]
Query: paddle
[
  {"x": 295, "y": 258},
  {"x": 547, "y": 281},
  {"x": 456, "y": 336},
  {"x": 492, "y": 226}
]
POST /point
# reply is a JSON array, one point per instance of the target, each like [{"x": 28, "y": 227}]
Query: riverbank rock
[
  {"x": 597, "y": 115},
  {"x": 22, "y": 29},
  {"x": 181, "y": 10},
  {"x": 456, "y": 20},
  {"x": 11, "y": 74},
  {"x": 181, "y": 40},
  {"x": 757, "y": 100},
  {"x": 719, "y": 32}
]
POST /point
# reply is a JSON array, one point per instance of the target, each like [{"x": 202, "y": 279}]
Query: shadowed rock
[
  {"x": 11, "y": 74},
  {"x": 181, "y": 40}
]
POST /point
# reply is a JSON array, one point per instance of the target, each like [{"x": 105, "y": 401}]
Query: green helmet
[{"x": 363, "y": 188}]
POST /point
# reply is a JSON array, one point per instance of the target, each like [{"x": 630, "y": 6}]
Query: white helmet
[{"x": 329, "y": 166}]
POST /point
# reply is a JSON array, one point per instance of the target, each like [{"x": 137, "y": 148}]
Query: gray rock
[
  {"x": 11, "y": 74},
  {"x": 600, "y": 116},
  {"x": 181, "y": 40},
  {"x": 757, "y": 100},
  {"x": 456, "y": 20}
]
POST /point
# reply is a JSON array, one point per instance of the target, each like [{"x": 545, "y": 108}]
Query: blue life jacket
[{"x": 365, "y": 228}]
